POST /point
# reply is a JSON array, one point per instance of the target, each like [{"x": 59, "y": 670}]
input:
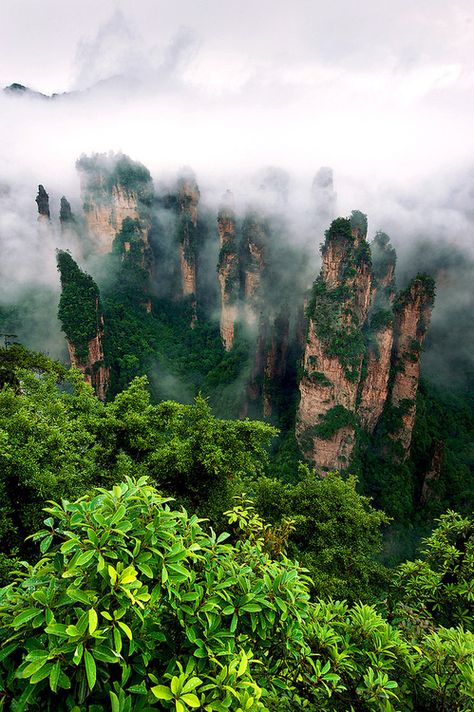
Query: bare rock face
[
  {"x": 373, "y": 394},
  {"x": 188, "y": 203},
  {"x": 413, "y": 309},
  {"x": 92, "y": 365},
  {"x": 228, "y": 270},
  {"x": 42, "y": 201},
  {"x": 373, "y": 390},
  {"x": 256, "y": 238},
  {"x": 114, "y": 188},
  {"x": 65, "y": 213},
  {"x": 334, "y": 347}
]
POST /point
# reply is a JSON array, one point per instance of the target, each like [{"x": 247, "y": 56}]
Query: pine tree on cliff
[{"x": 82, "y": 321}]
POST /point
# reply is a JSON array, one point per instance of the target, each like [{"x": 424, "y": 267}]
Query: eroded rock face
[
  {"x": 228, "y": 271},
  {"x": 333, "y": 453},
  {"x": 188, "y": 203},
  {"x": 373, "y": 394},
  {"x": 114, "y": 188},
  {"x": 42, "y": 201},
  {"x": 92, "y": 366},
  {"x": 255, "y": 237},
  {"x": 413, "y": 309},
  {"x": 334, "y": 348},
  {"x": 82, "y": 322}
]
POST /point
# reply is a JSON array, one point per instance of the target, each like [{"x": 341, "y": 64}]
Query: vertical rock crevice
[
  {"x": 228, "y": 270},
  {"x": 334, "y": 349}
]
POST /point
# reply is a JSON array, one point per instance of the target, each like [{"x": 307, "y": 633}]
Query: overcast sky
[{"x": 380, "y": 90}]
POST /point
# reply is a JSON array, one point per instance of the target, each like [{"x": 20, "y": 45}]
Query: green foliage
[
  {"x": 439, "y": 588},
  {"x": 134, "y": 605},
  {"x": 381, "y": 319},
  {"x": 16, "y": 357},
  {"x": 57, "y": 440},
  {"x": 104, "y": 172},
  {"x": 46, "y": 448},
  {"x": 333, "y": 420},
  {"x": 384, "y": 256},
  {"x": 340, "y": 339},
  {"x": 422, "y": 284},
  {"x": 79, "y": 307},
  {"x": 358, "y": 221},
  {"x": 339, "y": 228},
  {"x": 336, "y": 532}
]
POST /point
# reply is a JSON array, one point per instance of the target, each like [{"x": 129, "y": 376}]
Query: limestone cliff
[
  {"x": 188, "y": 204},
  {"x": 228, "y": 270},
  {"x": 66, "y": 218},
  {"x": 374, "y": 388},
  {"x": 256, "y": 238},
  {"x": 114, "y": 188},
  {"x": 413, "y": 307},
  {"x": 83, "y": 323},
  {"x": 332, "y": 360},
  {"x": 42, "y": 201},
  {"x": 373, "y": 392}
]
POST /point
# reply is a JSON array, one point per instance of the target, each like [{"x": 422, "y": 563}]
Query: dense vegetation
[
  {"x": 130, "y": 603},
  {"x": 79, "y": 304}
]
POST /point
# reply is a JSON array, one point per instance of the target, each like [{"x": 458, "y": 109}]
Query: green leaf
[
  {"x": 25, "y": 616},
  {"x": 91, "y": 670},
  {"x": 126, "y": 630},
  {"x": 76, "y": 595},
  {"x": 162, "y": 692},
  {"x": 93, "y": 620},
  {"x": 54, "y": 676},
  {"x": 69, "y": 545},
  {"x": 34, "y": 667},
  {"x": 41, "y": 674},
  {"x": 243, "y": 664},
  {"x": 192, "y": 684},
  {"x": 85, "y": 557},
  {"x": 46, "y": 543},
  {"x": 114, "y": 701},
  {"x": 57, "y": 629},
  {"x": 191, "y": 700}
]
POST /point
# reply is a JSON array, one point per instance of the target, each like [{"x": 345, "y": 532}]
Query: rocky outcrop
[
  {"x": 228, "y": 270},
  {"x": 334, "y": 347},
  {"x": 82, "y": 321},
  {"x": 42, "y": 201},
  {"x": 373, "y": 393},
  {"x": 92, "y": 365},
  {"x": 188, "y": 204},
  {"x": 374, "y": 388},
  {"x": 361, "y": 362},
  {"x": 114, "y": 188},
  {"x": 66, "y": 218},
  {"x": 413, "y": 307},
  {"x": 256, "y": 236}
]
